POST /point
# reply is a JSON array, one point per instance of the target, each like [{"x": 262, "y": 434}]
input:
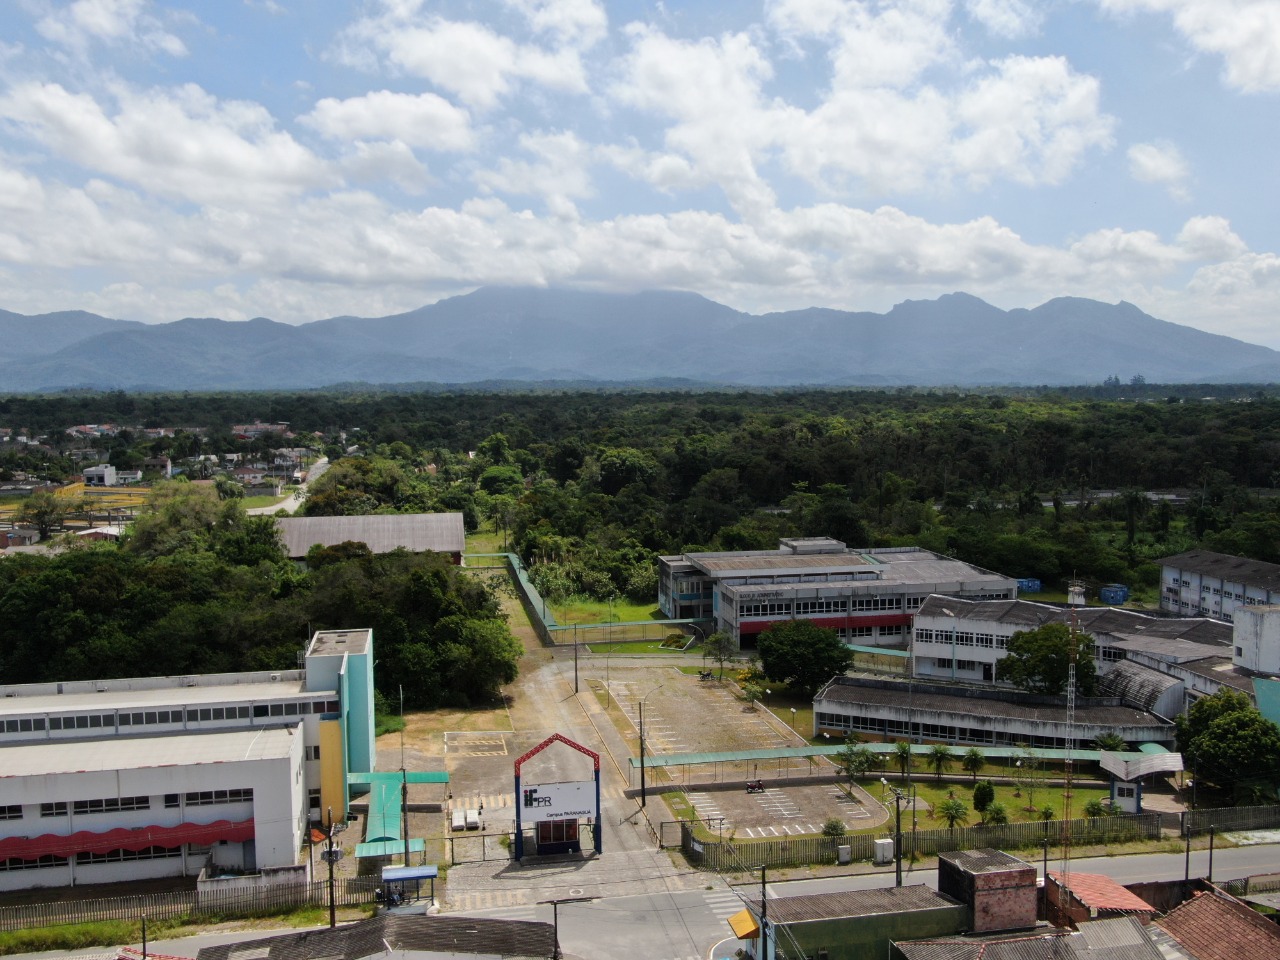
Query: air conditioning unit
[{"x": 275, "y": 676}]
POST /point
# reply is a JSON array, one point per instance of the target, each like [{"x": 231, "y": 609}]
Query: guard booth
[{"x": 557, "y": 809}]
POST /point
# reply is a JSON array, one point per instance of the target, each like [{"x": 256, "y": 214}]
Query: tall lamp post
[
  {"x": 642, "y": 700},
  {"x": 555, "y": 917},
  {"x": 898, "y": 797}
]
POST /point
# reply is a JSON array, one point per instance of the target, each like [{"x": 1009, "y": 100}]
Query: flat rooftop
[
  {"x": 898, "y": 565},
  {"x": 383, "y": 533},
  {"x": 140, "y": 753},
  {"x": 159, "y": 696},
  {"x": 145, "y": 699},
  {"x": 985, "y": 860},
  {"x": 332, "y": 642}
]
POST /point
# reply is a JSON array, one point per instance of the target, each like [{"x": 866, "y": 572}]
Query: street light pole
[
  {"x": 642, "y": 700},
  {"x": 555, "y": 917}
]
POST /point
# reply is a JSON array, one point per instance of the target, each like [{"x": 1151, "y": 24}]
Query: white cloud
[
  {"x": 420, "y": 120},
  {"x": 1160, "y": 162},
  {"x": 1210, "y": 238},
  {"x": 1010, "y": 19},
  {"x": 1031, "y": 121},
  {"x": 579, "y": 23},
  {"x": 119, "y": 22},
  {"x": 711, "y": 89},
  {"x": 182, "y": 143},
  {"x": 1245, "y": 33},
  {"x": 468, "y": 59},
  {"x": 559, "y": 172}
]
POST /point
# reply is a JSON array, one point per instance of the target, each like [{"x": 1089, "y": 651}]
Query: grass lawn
[
  {"x": 251, "y": 503},
  {"x": 634, "y": 648},
  {"x": 599, "y": 611},
  {"x": 485, "y": 541},
  {"x": 933, "y": 792}
]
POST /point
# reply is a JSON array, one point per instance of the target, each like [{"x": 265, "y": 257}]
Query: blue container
[
  {"x": 1029, "y": 585},
  {"x": 1114, "y": 593}
]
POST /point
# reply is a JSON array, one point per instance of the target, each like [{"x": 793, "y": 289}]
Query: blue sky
[{"x": 298, "y": 160}]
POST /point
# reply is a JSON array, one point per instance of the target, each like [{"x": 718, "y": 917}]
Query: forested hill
[{"x": 527, "y": 335}]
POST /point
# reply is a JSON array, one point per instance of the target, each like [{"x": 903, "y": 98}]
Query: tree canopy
[
  {"x": 1225, "y": 740},
  {"x": 1039, "y": 661},
  {"x": 802, "y": 655}
]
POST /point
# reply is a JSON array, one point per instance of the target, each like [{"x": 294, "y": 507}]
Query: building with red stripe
[{"x": 868, "y": 596}]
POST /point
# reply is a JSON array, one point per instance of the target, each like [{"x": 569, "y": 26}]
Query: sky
[{"x": 301, "y": 159}]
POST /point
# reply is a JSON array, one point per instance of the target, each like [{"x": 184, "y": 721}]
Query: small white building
[{"x": 100, "y": 475}]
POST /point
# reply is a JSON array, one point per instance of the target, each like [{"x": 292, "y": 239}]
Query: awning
[
  {"x": 389, "y": 848},
  {"x": 744, "y": 926}
]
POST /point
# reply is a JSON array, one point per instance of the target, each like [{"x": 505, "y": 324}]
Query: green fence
[
  {"x": 732, "y": 855},
  {"x": 1226, "y": 819}
]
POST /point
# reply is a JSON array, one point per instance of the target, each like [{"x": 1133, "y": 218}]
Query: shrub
[
  {"x": 834, "y": 828},
  {"x": 983, "y": 795}
]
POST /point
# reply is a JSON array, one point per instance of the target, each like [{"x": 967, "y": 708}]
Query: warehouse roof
[
  {"x": 854, "y": 903},
  {"x": 981, "y": 701},
  {"x": 139, "y": 753},
  {"x": 381, "y": 533}
]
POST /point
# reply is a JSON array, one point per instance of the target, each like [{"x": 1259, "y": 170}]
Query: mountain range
[{"x": 551, "y": 335}]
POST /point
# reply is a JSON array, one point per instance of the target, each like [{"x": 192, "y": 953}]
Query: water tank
[{"x": 1114, "y": 593}]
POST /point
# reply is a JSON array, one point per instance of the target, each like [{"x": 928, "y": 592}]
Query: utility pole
[
  {"x": 764, "y": 917},
  {"x": 555, "y": 917},
  {"x": 898, "y": 797},
  {"x": 329, "y": 858},
  {"x": 642, "y": 700}
]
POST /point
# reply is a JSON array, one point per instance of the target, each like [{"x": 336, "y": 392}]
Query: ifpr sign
[{"x": 559, "y": 801}]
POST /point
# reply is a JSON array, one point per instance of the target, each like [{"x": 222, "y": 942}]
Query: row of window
[
  {"x": 197, "y": 798},
  {"x": 112, "y": 856},
  {"x": 99, "y": 721},
  {"x": 963, "y": 638},
  {"x": 897, "y": 729},
  {"x": 944, "y": 663}
]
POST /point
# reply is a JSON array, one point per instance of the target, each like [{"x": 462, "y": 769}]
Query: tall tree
[
  {"x": 1039, "y": 660},
  {"x": 803, "y": 655}
]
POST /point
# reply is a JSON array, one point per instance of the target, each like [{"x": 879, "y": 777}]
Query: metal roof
[
  {"x": 410, "y": 935},
  {"x": 381, "y": 533},
  {"x": 854, "y": 903},
  {"x": 990, "y": 703},
  {"x": 139, "y": 753},
  {"x": 1135, "y": 684}
]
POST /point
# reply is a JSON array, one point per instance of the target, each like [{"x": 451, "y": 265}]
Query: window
[
  {"x": 894, "y": 631},
  {"x": 171, "y": 800},
  {"x": 313, "y": 753},
  {"x": 261, "y": 710},
  {"x": 48, "y": 860},
  {"x": 204, "y": 798},
  {"x": 122, "y": 856},
  {"x": 58, "y": 809},
  {"x": 924, "y": 634},
  {"x": 966, "y": 664},
  {"x": 11, "y": 812},
  {"x": 942, "y": 663},
  {"x": 111, "y": 805},
  {"x": 1125, "y": 792},
  {"x": 313, "y": 799},
  {"x": 1239, "y": 651}
]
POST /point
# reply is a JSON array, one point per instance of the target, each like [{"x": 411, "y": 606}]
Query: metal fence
[
  {"x": 198, "y": 904},
  {"x": 730, "y": 855},
  {"x": 1224, "y": 819}
]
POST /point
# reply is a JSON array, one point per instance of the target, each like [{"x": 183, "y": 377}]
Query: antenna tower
[{"x": 1064, "y": 875}]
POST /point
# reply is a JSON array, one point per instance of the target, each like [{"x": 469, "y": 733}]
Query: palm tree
[
  {"x": 903, "y": 751},
  {"x": 973, "y": 761},
  {"x": 939, "y": 758},
  {"x": 953, "y": 811},
  {"x": 996, "y": 814},
  {"x": 1109, "y": 741}
]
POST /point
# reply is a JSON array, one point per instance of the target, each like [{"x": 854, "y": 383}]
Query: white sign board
[{"x": 559, "y": 801}]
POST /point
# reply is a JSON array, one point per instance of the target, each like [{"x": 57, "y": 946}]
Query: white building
[
  {"x": 1207, "y": 584},
  {"x": 1159, "y": 664},
  {"x": 100, "y": 475},
  {"x": 90, "y": 811},
  {"x": 130, "y": 755},
  {"x": 867, "y": 596}
]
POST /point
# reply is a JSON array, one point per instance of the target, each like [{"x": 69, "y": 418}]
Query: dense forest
[{"x": 590, "y": 487}]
